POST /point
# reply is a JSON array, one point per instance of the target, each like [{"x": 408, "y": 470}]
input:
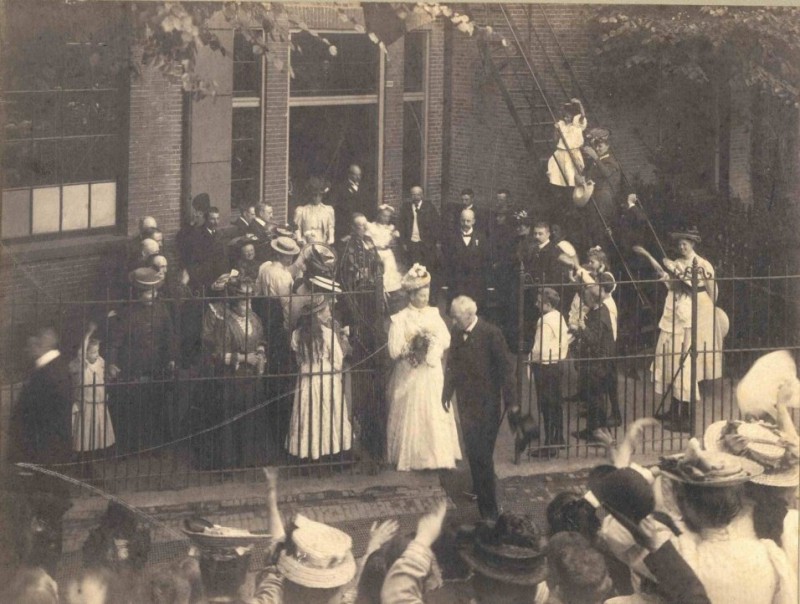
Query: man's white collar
[
  {"x": 472, "y": 325},
  {"x": 47, "y": 357}
]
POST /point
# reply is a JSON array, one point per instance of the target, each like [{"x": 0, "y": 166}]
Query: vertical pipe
[
  {"x": 693, "y": 366},
  {"x": 520, "y": 338}
]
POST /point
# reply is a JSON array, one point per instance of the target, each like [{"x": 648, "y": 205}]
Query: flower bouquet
[{"x": 418, "y": 348}]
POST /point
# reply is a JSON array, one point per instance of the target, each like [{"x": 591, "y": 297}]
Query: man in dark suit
[
  {"x": 480, "y": 374},
  {"x": 453, "y": 214},
  {"x": 466, "y": 256},
  {"x": 42, "y": 434},
  {"x": 244, "y": 224},
  {"x": 207, "y": 253},
  {"x": 349, "y": 198},
  {"x": 419, "y": 232}
]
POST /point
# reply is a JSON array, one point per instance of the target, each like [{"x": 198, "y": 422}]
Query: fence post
[
  {"x": 520, "y": 342},
  {"x": 693, "y": 350}
]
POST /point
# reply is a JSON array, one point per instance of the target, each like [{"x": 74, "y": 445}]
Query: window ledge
[{"x": 38, "y": 251}]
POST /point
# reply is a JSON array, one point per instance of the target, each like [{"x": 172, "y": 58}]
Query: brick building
[{"x": 90, "y": 147}]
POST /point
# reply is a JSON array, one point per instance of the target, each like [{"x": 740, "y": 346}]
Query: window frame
[
  {"x": 424, "y": 97},
  {"x": 121, "y": 171}
]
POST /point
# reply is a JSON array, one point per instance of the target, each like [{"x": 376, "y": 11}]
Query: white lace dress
[
  {"x": 383, "y": 236},
  {"x": 421, "y": 435}
]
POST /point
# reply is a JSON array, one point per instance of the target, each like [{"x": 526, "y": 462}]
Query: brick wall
[
  {"x": 393, "y": 126},
  {"x": 487, "y": 149},
  {"x": 154, "y": 171}
]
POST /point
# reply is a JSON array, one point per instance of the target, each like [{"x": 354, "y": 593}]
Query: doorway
[{"x": 325, "y": 140}]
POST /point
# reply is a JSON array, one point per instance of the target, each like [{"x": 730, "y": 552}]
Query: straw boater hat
[
  {"x": 690, "y": 234},
  {"x": 146, "y": 278},
  {"x": 416, "y": 278},
  {"x": 760, "y": 443},
  {"x": 495, "y": 551},
  {"x": 709, "y": 468},
  {"x": 317, "y": 556},
  {"x": 285, "y": 246},
  {"x": 326, "y": 285}
]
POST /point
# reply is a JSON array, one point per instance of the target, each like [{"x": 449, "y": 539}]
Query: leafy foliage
[{"x": 759, "y": 46}]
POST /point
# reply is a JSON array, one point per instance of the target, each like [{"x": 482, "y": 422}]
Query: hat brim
[
  {"x": 687, "y": 236},
  {"x": 227, "y": 541},
  {"x": 581, "y": 194},
  {"x": 478, "y": 565},
  {"x": 329, "y": 285},
  {"x": 750, "y": 470},
  {"x": 712, "y": 440},
  {"x": 318, "y": 578},
  {"x": 276, "y": 246}
]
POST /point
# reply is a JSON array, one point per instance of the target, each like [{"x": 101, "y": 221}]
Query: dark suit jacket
[
  {"x": 242, "y": 228},
  {"x": 542, "y": 263},
  {"x": 607, "y": 177},
  {"x": 479, "y": 370},
  {"x": 42, "y": 426},
  {"x": 345, "y": 203},
  {"x": 208, "y": 258},
  {"x": 596, "y": 341},
  {"x": 427, "y": 221},
  {"x": 467, "y": 265}
]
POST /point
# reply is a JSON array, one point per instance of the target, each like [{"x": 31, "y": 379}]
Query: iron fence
[
  {"x": 249, "y": 388},
  {"x": 193, "y": 390},
  {"x": 681, "y": 365}
]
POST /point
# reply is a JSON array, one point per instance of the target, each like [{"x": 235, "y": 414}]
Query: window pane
[
  {"x": 75, "y": 207},
  {"x": 354, "y": 69},
  {"x": 76, "y": 159},
  {"x": 246, "y": 68},
  {"x": 16, "y": 213},
  {"x": 104, "y": 204},
  {"x": 18, "y": 116},
  {"x": 413, "y": 150},
  {"x": 414, "y": 59},
  {"x": 247, "y": 123},
  {"x": 46, "y": 210},
  {"x": 105, "y": 153},
  {"x": 44, "y": 162},
  {"x": 45, "y": 108},
  {"x": 244, "y": 191},
  {"x": 244, "y": 160},
  {"x": 17, "y": 163}
]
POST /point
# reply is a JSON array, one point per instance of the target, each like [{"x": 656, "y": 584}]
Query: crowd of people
[{"x": 717, "y": 523}]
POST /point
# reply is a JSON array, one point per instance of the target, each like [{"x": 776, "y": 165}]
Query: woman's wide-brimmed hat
[
  {"x": 385, "y": 207},
  {"x": 318, "y": 556},
  {"x": 757, "y": 391},
  {"x": 285, "y": 246},
  {"x": 597, "y": 135},
  {"x": 523, "y": 218},
  {"x": 416, "y": 278},
  {"x": 208, "y": 536},
  {"x": 146, "y": 278},
  {"x": 494, "y": 551},
  {"x": 325, "y": 285},
  {"x": 709, "y": 468},
  {"x": 689, "y": 234},
  {"x": 758, "y": 442}
]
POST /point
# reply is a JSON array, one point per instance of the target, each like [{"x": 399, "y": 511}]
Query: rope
[
  {"x": 105, "y": 495},
  {"x": 221, "y": 424}
]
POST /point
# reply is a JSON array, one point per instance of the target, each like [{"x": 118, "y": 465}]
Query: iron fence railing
[
  {"x": 691, "y": 355},
  {"x": 197, "y": 389},
  {"x": 247, "y": 387}
]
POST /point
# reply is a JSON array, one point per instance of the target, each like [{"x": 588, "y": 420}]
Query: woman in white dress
[
  {"x": 385, "y": 235},
  {"x": 421, "y": 435},
  {"x": 320, "y": 424},
  {"x": 314, "y": 222}
]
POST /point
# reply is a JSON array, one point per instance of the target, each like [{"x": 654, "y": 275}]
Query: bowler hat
[
  {"x": 502, "y": 552},
  {"x": 625, "y": 491}
]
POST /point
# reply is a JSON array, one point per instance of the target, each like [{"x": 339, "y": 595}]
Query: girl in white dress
[
  {"x": 320, "y": 424},
  {"x": 91, "y": 422},
  {"x": 385, "y": 235},
  {"x": 421, "y": 435},
  {"x": 567, "y": 160}
]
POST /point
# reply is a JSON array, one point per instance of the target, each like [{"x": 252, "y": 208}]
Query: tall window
[
  {"x": 64, "y": 117},
  {"x": 414, "y": 108},
  {"x": 248, "y": 70}
]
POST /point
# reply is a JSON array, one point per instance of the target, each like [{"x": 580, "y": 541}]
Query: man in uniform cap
[
  {"x": 606, "y": 174},
  {"x": 141, "y": 357}
]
